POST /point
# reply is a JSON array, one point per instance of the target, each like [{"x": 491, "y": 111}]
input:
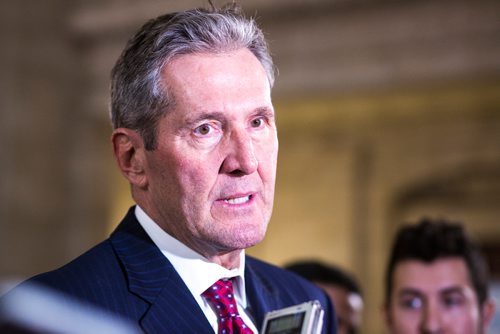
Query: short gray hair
[{"x": 138, "y": 97}]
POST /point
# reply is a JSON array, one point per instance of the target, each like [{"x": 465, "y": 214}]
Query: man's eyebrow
[
  {"x": 410, "y": 291},
  {"x": 266, "y": 111},
  {"x": 191, "y": 119},
  {"x": 452, "y": 289}
]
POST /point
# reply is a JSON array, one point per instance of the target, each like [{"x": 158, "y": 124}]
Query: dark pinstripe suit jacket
[{"x": 128, "y": 275}]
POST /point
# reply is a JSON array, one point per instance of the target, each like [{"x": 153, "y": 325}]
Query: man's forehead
[
  {"x": 205, "y": 77},
  {"x": 438, "y": 275}
]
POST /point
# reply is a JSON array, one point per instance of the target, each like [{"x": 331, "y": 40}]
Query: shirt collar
[{"x": 197, "y": 272}]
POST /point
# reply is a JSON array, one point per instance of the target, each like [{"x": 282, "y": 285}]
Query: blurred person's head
[
  {"x": 342, "y": 288},
  {"x": 436, "y": 281}
]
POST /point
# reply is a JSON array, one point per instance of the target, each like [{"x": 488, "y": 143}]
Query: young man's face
[{"x": 436, "y": 297}]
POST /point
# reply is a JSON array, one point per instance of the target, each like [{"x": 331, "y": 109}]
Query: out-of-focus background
[{"x": 387, "y": 111}]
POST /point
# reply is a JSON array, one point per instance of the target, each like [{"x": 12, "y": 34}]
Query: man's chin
[
  {"x": 248, "y": 241},
  {"x": 243, "y": 239}
]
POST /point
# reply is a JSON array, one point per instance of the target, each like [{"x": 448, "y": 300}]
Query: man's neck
[{"x": 229, "y": 260}]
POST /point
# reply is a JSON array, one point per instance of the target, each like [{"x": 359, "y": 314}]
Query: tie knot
[{"x": 221, "y": 296}]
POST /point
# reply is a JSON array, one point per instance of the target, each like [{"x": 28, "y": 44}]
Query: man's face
[
  {"x": 348, "y": 307},
  {"x": 435, "y": 297},
  {"x": 211, "y": 178}
]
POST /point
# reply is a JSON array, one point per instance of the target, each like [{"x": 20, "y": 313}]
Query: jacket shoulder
[
  {"x": 278, "y": 278},
  {"x": 288, "y": 289}
]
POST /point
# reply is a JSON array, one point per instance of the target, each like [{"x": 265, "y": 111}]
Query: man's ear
[
  {"x": 487, "y": 313},
  {"x": 129, "y": 152}
]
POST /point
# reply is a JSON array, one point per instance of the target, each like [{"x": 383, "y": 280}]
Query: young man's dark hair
[{"x": 316, "y": 271}]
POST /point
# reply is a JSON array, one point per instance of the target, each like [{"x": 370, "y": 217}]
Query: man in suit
[
  {"x": 195, "y": 136},
  {"x": 436, "y": 282}
]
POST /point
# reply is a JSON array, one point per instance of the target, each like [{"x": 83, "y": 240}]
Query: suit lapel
[
  {"x": 262, "y": 298},
  {"x": 152, "y": 277}
]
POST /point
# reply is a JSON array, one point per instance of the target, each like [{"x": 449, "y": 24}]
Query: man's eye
[
  {"x": 257, "y": 122},
  {"x": 411, "y": 303},
  {"x": 453, "y": 300},
  {"x": 203, "y": 129}
]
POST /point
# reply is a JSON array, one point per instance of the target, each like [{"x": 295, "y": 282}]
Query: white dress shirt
[{"x": 197, "y": 272}]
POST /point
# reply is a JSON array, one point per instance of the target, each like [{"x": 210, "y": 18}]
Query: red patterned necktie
[{"x": 221, "y": 297}]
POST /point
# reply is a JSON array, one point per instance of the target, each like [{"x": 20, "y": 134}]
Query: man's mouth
[{"x": 238, "y": 200}]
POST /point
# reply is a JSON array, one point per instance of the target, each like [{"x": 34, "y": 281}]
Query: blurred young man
[
  {"x": 436, "y": 282},
  {"x": 342, "y": 288}
]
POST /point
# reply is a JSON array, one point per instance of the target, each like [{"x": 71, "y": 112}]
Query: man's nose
[
  {"x": 431, "y": 320},
  {"x": 240, "y": 156}
]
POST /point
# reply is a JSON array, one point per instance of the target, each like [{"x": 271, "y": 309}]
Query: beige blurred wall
[{"x": 387, "y": 111}]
